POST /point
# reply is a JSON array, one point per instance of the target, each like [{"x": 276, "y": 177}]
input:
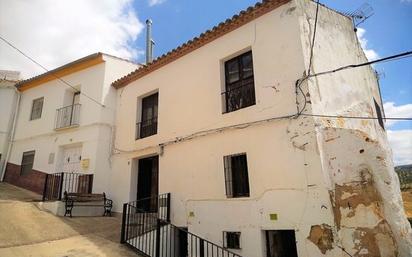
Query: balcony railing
[
  {"x": 146, "y": 128},
  {"x": 239, "y": 97},
  {"x": 68, "y": 116}
]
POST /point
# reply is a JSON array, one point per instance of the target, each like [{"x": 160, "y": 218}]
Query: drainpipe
[
  {"x": 11, "y": 135},
  {"x": 149, "y": 42}
]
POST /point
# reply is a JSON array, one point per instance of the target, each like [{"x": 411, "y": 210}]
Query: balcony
[
  {"x": 67, "y": 117},
  {"x": 146, "y": 128},
  {"x": 239, "y": 96}
]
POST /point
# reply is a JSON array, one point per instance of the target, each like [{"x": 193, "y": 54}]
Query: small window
[
  {"x": 36, "y": 108},
  {"x": 148, "y": 123},
  {"x": 239, "y": 83},
  {"x": 236, "y": 176},
  {"x": 27, "y": 162},
  {"x": 379, "y": 114},
  {"x": 231, "y": 240}
]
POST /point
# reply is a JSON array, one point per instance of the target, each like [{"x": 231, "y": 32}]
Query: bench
[{"x": 87, "y": 200}]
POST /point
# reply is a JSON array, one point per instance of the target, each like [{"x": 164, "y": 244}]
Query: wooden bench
[{"x": 87, "y": 200}]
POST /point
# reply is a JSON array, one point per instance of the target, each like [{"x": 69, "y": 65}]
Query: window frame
[
  {"x": 237, "y": 246},
  {"x": 24, "y": 164},
  {"x": 153, "y": 120},
  {"x": 32, "y": 116},
  {"x": 233, "y": 190},
  {"x": 244, "y": 85}
]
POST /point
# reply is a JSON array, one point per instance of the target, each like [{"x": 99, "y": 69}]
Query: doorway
[
  {"x": 148, "y": 184},
  {"x": 281, "y": 243}
]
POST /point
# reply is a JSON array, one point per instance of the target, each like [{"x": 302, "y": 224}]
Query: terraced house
[
  {"x": 249, "y": 150},
  {"x": 64, "y": 125},
  {"x": 232, "y": 144}
]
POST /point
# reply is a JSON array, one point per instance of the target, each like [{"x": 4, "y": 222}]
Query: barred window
[
  {"x": 239, "y": 83},
  {"x": 36, "y": 108},
  {"x": 231, "y": 240},
  {"x": 236, "y": 176},
  {"x": 27, "y": 163}
]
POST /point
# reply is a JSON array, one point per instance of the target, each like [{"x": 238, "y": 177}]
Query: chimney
[{"x": 149, "y": 42}]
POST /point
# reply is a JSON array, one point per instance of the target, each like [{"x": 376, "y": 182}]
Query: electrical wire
[
  {"x": 44, "y": 68},
  {"x": 314, "y": 36}
]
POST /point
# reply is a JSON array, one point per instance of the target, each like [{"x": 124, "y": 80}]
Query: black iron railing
[
  {"x": 147, "y": 229},
  {"x": 67, "y": 116},
  {"x": 146, "y": 128},
  {"x": 58, "y": 183},
  {"x": 239, "y": 97}
]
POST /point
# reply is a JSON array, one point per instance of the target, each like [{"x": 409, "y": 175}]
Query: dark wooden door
[
  {"x": 148, "y": 183},
  {"x": 281, "y": 243}
]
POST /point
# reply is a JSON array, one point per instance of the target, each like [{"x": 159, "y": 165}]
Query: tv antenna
[{"x": 361, "y": 14}]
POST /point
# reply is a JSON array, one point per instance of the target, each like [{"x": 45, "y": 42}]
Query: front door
[
  {"x": 71, "y": 159},
  {"x": 281, "y": 243},
  {"x": 147, "y": 183}
]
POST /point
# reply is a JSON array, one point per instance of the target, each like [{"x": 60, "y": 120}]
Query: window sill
[{"x": 68, "y": 127}]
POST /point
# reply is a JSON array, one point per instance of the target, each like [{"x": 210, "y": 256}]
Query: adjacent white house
[
  {"x": 251, "y": 150},
  {"x": 8, "y": 103},
  {"x": 65, "y": 124}
]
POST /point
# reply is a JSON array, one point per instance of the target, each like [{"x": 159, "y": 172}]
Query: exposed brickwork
[{"x": 34, "y": 181}]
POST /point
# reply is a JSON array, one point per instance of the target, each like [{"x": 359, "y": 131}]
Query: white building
[
  {"x": 8, "y": 103},
  {"x": 214, "y": 122},
  {"x": 65, "y": 124}
]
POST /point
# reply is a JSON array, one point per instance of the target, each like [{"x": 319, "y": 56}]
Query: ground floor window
[
  {"x": 281, "y": 243},
  {"x": 231, "y": 240}
]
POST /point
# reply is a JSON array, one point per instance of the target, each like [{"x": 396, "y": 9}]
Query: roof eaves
[{"x": 221, "y": 29}]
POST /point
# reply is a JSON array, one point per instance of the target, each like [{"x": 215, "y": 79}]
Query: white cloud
[
  {"x": 370, "y": 53},
  {"x": 156, "y": 2},
  {"x": 57, "y": 32},
  {"x": 391, "y": 110},
  {"x": 401, "y": 143},
  {"x": 406, "y": 1}
]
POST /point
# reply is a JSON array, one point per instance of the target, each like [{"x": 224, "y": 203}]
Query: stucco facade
[
  {"x": 329, "y": 180},
  {"x": 54, "y": 139},
  {"x": 8, "y": 102}
]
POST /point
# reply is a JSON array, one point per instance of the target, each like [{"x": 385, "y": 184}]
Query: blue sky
[
  {"x": 387, "y": 32},
  {"x": 71, "y": 29}
]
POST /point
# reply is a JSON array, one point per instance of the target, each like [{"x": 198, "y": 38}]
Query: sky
[{"x": 57, "y": 32}]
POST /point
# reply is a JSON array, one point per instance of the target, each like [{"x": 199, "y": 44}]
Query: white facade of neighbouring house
[
  {"x": 187, "y": 123},
  {"x": 8, "y": 104},
  {"x": 65, "y": 123}
]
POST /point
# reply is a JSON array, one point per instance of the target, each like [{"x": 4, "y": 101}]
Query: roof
[
  {"x": 69, "y": 68},
  {"x": 223, "y": 28}
]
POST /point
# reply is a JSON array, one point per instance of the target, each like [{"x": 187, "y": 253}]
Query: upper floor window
[
  {"x": 236, "y": 175},
  {"x": 148, "y": 123},
  {"x": 27, "y": 162},
  {"x": 36, "y": 108},
  {"x": 239, "y": 83},
  {"x": 379, "y": 114}
]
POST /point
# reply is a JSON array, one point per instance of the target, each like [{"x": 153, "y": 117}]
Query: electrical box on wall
[
  {"x": 273, "y": 216},
  {"x": 85, "y": 163}
]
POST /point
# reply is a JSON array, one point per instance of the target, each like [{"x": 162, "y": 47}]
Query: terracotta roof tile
[{"x": 204, "y": 38}]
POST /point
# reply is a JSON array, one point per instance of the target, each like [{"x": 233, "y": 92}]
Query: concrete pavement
[{"x": 25, "y": 230}]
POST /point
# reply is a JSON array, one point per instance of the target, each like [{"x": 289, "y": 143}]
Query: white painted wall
[
  {"x": 281, "y": 181},
  {"x": 8, "y": 102},
  {"x": 94, "y": 134}
]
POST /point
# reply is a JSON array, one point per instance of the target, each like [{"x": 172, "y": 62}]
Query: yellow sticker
[{"x": 273, "y": 216}]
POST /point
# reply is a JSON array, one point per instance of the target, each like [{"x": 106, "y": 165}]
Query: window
[
  {"x": 36, "y": 108},
  {"x": 239, "y": 83},
  {"x": 379, "y": 114},
  {"x": 27, "y": 162},
  {"x": 231, "y": 240},
  {"x": 148, "y": 124},
  {"x": 236, "y": 176}
]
